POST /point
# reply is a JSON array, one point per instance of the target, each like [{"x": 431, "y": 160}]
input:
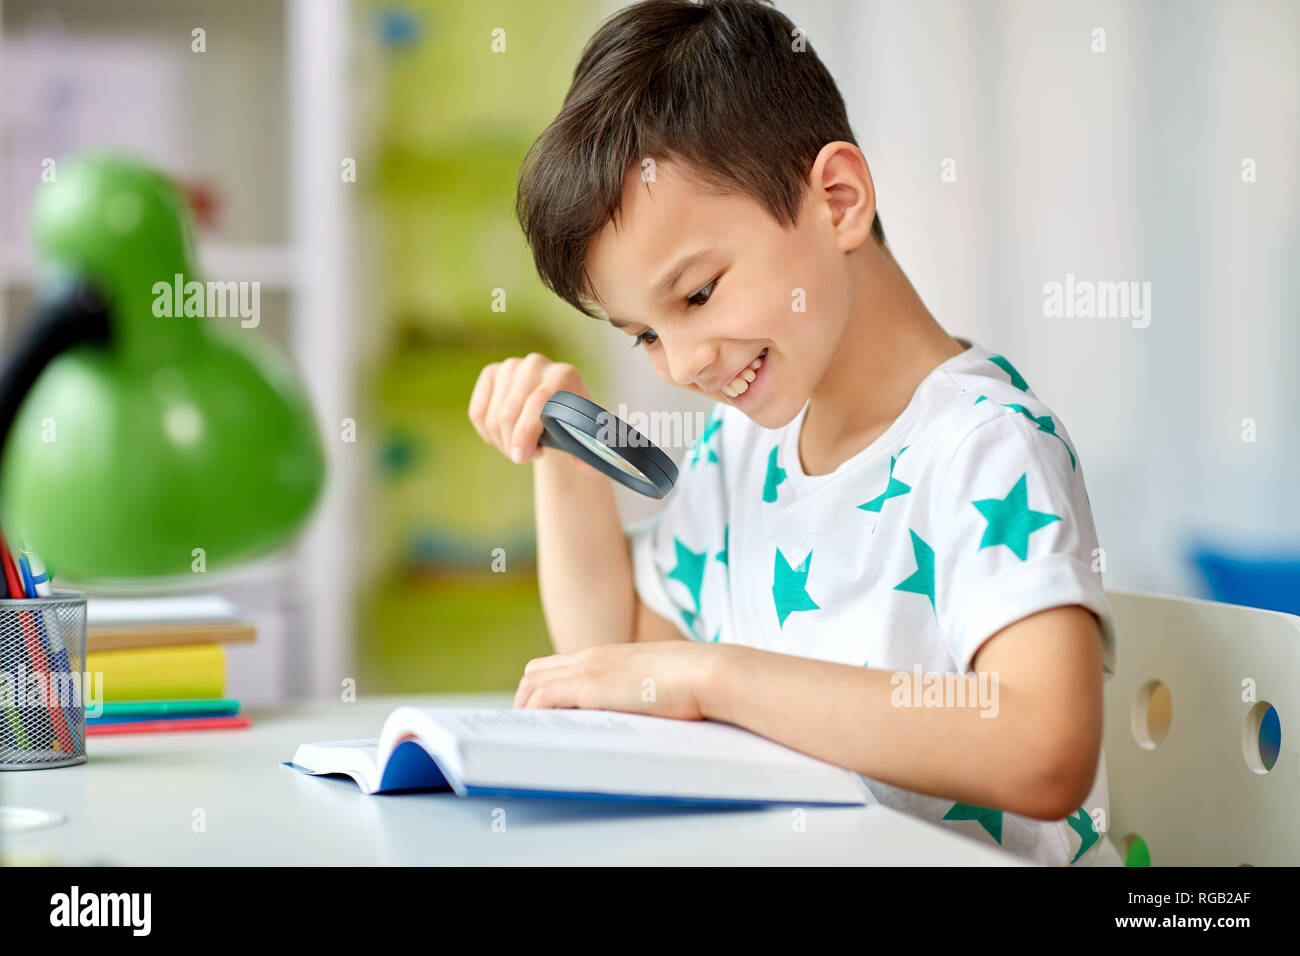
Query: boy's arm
[
  {"x": 1037, "y": 757},
  {"x": 577, "y": 522},
  {"x": 584, "y": 568},
  {"x": 651, "y": 626}
]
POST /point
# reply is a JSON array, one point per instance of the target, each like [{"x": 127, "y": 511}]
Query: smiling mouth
[{"x": 740, "y": 384}]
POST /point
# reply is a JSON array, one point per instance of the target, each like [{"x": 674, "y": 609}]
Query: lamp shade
[{"x": 182, "y": 443}]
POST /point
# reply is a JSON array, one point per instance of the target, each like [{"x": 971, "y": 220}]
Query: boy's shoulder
[
  {"x": 973, "y": 390},
  {"x": 987, "y": 432}
]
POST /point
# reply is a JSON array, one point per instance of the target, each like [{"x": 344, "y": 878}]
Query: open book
[{"x": 580, "y": 754}]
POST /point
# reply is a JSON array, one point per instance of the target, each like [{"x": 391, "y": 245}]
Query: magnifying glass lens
[
  {"x": 604, "y": 451},
  {"x": 631, "y": 459}
]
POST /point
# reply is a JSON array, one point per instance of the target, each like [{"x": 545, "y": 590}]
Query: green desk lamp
[{"x": 135, "y": 444}]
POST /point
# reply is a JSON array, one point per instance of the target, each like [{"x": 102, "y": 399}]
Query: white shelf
[
  {"x": 255, "y": 114},
  {"x": 272, "y": 265}
]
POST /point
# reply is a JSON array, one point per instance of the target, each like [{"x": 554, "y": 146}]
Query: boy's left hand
[{"x": 659, "y": 678}]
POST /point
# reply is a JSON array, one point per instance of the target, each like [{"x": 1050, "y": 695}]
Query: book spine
[{"x": 168, "y": 726}]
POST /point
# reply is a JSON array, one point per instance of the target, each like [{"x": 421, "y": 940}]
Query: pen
[
  {"x": 37, "y": 582},
  {"x": 35, "y": 579},
  {"x": 47, "y": 624}
]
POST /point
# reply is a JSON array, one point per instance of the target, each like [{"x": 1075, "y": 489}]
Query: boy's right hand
[{"x": 506, "y": 404}]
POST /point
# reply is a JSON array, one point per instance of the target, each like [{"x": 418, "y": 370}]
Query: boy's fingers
[
  {"x": 543, "y": 663},
  {"x": 478, "y": 399},
  {"x": 527, "y": 690},
  {"x": 528, "y": 429},
  {"x": 521, "y": 696},
  {"x": 500, "y": 389},
  {"x": 524, "y": 381}
]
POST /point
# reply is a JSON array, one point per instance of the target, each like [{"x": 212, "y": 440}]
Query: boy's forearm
[
  {"x": 584, "y": 569},
  {"x": 845, "y": 715}
]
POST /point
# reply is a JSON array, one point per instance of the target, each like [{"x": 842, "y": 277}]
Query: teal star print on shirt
[
  {"x": 790, "y": 587},
  {"x": 1011, "y": 521},
  {"x": 704, "y": 444},
  {"x": 690, "y": 620},
  {"x": 920, "y": 581},
  {"x": 990, "y": 820},
  {"x": 893, "y": 489},
  {"x": 722, "y": 555},
  {"x": 689, "y": 569},
  {"x": 1016, "y": 379},
  {"x": 1081, "y": 824},
  {"x": 1045, "y": 424},
  {"x": 775, "y": 475}
]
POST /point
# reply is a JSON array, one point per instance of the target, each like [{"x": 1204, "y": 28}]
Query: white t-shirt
[{"x": 966, "y": 515}]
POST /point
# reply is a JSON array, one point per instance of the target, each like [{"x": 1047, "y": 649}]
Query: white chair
[{"x": 1194, "y": 680}]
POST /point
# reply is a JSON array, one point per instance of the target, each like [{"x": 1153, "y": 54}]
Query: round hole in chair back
[
  {"x": 1153, "y": 712},
  {"x": 1261, "y": 737}
]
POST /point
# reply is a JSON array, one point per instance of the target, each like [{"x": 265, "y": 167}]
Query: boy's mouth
[{"x": 742, "y": 383}]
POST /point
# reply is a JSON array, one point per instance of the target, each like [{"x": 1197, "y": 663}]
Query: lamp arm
[{"x": 75, "y": 315}]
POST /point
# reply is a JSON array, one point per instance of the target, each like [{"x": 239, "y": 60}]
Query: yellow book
[{"x": 160, "y": 673}]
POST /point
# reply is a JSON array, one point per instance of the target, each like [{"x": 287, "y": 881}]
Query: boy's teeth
[{"x": 740, "y": 384}]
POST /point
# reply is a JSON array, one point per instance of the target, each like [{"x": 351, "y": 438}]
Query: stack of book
[{"x": 163, "y": 662}]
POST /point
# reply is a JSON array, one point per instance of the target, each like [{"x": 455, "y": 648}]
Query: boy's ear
[{"x": 841, "y": 180}]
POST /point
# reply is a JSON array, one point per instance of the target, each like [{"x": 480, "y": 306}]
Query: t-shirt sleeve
[
  {"x": 1016, "y": 536},
  {"x": 679, "y": 553}
]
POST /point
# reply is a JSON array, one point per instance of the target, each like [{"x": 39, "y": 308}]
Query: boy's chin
[{"x": 771, "y": 414}]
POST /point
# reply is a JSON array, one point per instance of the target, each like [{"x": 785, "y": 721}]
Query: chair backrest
[{"x": 1204, "y": 701}]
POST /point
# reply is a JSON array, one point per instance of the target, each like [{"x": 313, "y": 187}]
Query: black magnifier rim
[{"x": 634, "y": 448}]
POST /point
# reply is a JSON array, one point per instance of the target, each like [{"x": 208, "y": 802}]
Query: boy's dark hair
[{"x": 717, "y": 84}]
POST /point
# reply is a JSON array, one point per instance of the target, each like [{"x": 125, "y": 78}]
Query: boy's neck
[{"x": 890, "y": 345}]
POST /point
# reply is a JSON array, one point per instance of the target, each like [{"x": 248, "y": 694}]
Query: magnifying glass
[{"x": 607, "y": 443}]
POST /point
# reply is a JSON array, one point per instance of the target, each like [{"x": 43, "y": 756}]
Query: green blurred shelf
[
  {"x": 440, "y": 175},
  {"x": 451, "y": 632}
]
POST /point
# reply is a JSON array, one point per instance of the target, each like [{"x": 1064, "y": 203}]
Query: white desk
[{"x": 134, "y": 801}]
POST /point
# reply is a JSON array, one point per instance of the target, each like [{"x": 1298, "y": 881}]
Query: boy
[{"x": 872, "y": 500}]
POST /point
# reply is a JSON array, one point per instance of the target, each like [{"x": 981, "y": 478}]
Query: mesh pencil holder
[{"x": 43, "y": 685}]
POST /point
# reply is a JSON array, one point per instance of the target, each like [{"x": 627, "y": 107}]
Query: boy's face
[{"x": 744, "y": 293}]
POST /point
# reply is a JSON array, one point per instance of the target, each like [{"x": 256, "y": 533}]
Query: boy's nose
[{"x": 690, "y": 362}]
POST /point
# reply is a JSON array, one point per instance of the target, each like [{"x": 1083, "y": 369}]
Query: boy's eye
[
  {"x": 707, "y": 292},
  {"x": 649, "y": 337}
]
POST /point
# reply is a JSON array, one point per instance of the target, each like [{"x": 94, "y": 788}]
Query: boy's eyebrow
[
  {"x": 669, "y": 281},
  {"x": 673, "y": 276}
]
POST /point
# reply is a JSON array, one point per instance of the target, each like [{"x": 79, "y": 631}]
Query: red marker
[{"x": 12, "y": 580}]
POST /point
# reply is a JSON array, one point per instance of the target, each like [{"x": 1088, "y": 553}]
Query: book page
[
  {"x": 611, "y": 732},
  {"x": 369, "y": 746},
  {"x": 552, "y": 723}
]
